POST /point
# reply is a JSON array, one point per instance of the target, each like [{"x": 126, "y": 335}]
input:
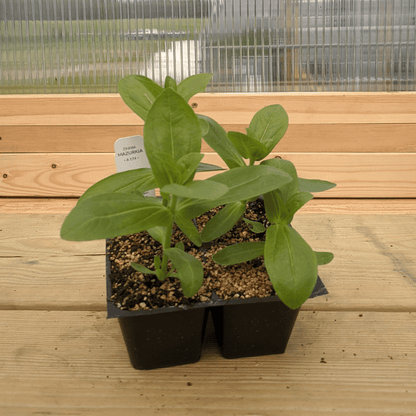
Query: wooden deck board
[
  {"x": 358, "y": 175},
  {"x": 404, "y": 206},
  {"x": 373, "y": 267},
  {"x": 353, "y": 137},
  {"x": 335, "y": 363},
  {"x": 303, "y": 108}
]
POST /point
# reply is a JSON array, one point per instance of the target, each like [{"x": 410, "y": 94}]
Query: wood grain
[
  {"x": 387, "y": 137},
  {"x": 303, "y": 108},
  {"x": 358, "y": 175},
  {"x": 373, "y": 267},
  {"x": 315, "y": 206},
  {"x": 336, "y": 363}
]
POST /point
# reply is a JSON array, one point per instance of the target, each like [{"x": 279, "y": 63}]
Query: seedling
[
  {"x": 290, "y": 262},
  {"x": 116, "y": 206}
]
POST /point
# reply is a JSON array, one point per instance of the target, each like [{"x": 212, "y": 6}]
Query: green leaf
[
  {"x": 171, "y": 127},
  {"x": 269, "y": 125},
  {"x": 315, "y": 185},
  {"x": 248, "y": 147},
  {"x": 291, "y": 265},
  {"x": 142, "y": 269},
  {"x": 223, "y": 222},
  {"x": 137, "y": 180},
  {"x": 243, "y": 183},
  {"x": 323, "y": 257},
  {"x": 112, "y": 215},
  {"x": 218, "y": 140},
  {"x": 188, "y": 164},
  {"x": 296, "y": 203},
  {"x": 180, "y": 245},
  {"x": 157, "y": 233},
  {"x": 165, "y": 169},
  {"x": 239, "y": 253},
  {"x": 204, "y": 126},
  {"x": 196, "y": 190},
  {"x": 189, "y": 229},
  {"x": 139, "y": 93},
  {"x": 206, "y": 167},
  {"x": 274, "y": 205},
  {"x": 190, "y": 270},
  {"x": 291, "y": 188},
  {"x": 250, "y": 132},
  {"x": 250, "y": 181},
  {"x": 255, "y": 227},
  {"x": 170, "y": 83},
  {"x": 193, "y": 85}
]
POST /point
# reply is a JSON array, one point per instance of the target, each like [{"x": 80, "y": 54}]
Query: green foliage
[
  {"x": 291, "y": 265},
  {"x": 116, "y": 206},
  {"x": 289, "y": 260}
]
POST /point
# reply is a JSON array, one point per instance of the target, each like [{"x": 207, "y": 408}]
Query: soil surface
[{"x": 133, "y": 290}]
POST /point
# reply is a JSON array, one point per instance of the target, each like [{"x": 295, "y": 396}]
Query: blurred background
[{"x": 86, "y": 46}]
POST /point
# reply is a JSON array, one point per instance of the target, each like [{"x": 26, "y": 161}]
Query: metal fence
[{"x": 86, "y": 46}]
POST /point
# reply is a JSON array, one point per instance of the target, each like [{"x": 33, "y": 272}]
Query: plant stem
[{"x": 168, "y": 238}]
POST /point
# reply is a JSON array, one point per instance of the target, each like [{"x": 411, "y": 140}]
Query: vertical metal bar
[
  {"x": 35, "y": 46},
  {"x": 240, "y": 42},
  {"x": 233, "y": 61},
  {"x": 150, "y": 40},
  {"x": 71, "y": 47},
  {"x": 63, "y": 35},
  {"x": 15, "y": 43},
  {"x": 79, "y": 46},
  {"x": 409, "y": 19},
  {"x": 223, "y": 23},
  {"x": 29, "y": 49},
  {"x": 308, "y": 47},
  {"x": 369, "y": 47},
  {"x": 377, "y": 46},
  {"x": 331, "y": 32},
  {"x": 188, "y": 71},
  {"x": 316, "y": 45},
  {"x": 354, "y": 45},
  {"x": 324, "y": 26},
  {"x": 300, "y": 32},
  {"x": 399, "y": 26},
  {"x": 393, "y": 36},
  {"x": 108, "y": 47},
  {"x": 293, "y": 40},
  {"x": 4, "y": 52}
]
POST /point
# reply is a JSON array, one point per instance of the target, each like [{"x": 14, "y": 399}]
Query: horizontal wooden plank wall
[{"x": 59, "y": 145}]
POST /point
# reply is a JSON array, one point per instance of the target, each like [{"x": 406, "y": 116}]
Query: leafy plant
[
  {"x": 290, "y": 262},
  {"x": 116, "y": 206}
]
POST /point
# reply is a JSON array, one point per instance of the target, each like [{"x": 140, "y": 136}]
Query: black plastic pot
[
  {"x": 258, "y": 326},
  {"x": 173, "y": 336},
  {"x": 160, "y": 338},
  {"x": 253, "y": 329},
  {"x": 164, "y": 340}
]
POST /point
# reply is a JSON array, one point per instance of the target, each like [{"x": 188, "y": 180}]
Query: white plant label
[{"x": 130, "y": 154}]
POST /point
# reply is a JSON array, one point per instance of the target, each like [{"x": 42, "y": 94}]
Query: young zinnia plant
[
  {"x": 290, "y": 262},
  {"x": 172, "y": 134}
]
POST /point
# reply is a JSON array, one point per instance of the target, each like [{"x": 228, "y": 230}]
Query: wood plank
[
  {"x": 373, "y": 269},
  {"x": 336, "y": 363},
  {"x": 358, "y": 175},
  {"x": 351, "y": 137},
  {"x": 303, "y": 108},
  {"x": 316, "y": 206}
]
